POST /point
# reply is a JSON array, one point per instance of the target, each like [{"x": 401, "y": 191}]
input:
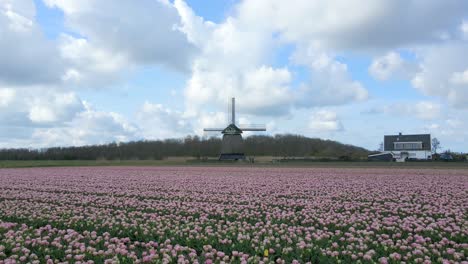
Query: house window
[{"x": 407, "y": 145}]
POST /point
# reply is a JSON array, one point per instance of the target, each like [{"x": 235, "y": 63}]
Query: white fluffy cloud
[
  {"x": 230, "y": 63},
  {"x": 18, "y": 16},
  {"x": 354, "y": 24},
  {"x": 37, "y": 106},
  {"x": 28, "y": 109},
  {"x": 464, "y": 28},
  {"x": 382, "y": 67},
  {"x": 6, "y": 96},
  {"x": 100, "y": 45},
  {"x": 27, "y": 57},
  {"x": 439, "y": 70},
  {"x": 330, "y": 82},
  {"x": 210, "y": 120},
  {"x": 391, "y": 65},
  {"x": 369, "y": 27},
  {"x": 451, "y": 132},
  {"x": 143, "y": 32},
  {"x": 53, "y": 107},
  {"x": 263, "y": 90},
  {"x": 442, "y": 73},
  {"x": 159, "y": 122},
  {"x": 460, "y": 78},
  {"x": 88, "y": 127},
  {"x": 424, "y": 110},
  {"x": 325, "y": 121},
  {"x": 88, "y": 64},
  {"x": 234, "y": 62}
]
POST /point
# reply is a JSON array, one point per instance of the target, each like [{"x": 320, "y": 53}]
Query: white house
[{"x": 404, "y": 147}]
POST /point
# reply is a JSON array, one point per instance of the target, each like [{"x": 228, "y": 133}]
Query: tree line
[{"x": 193, "y": 146}]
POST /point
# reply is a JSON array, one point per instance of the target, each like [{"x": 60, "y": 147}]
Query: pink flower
[{"x": 383, "y": 260}]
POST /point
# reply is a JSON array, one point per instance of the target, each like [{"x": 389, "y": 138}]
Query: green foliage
[{"x": 193, "y": 146}]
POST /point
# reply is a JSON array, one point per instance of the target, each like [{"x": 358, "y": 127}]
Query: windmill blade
[
  {"x": 253, "y": 127},
  {"x": 233, "y": 110},
  {"x": 229, "y": 111},
  {"x": 213, "y": 129}
]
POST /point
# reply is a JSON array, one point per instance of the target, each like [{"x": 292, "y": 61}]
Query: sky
[{"x": 79, "y": 72}]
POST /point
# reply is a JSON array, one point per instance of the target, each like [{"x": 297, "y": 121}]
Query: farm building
[{"x": 404, "y": 147}]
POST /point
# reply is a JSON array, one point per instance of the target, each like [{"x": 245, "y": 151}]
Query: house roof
[{"x": 424, "y": 138}]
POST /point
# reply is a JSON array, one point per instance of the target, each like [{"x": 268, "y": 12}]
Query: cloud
[
  {"x": 382, "y": 67},
  {"x": 7, "y": 96},
  {"x": 53, "y": 107},
  {"x": 451, "y": 132},
  {"x": 424, "y": 110},
  {"x": 330, "y": 82},
  {"x": 210, "y": 120},
  {"x": 260, "y": 26},
  {"x": 37, "y": 106},
  {"x": 100, "y": 46},
  {"x": 144, "y": 33},
  {"x": 354, "y": 25},
  {"x": 90, "y": 65},
  {"x": 88, "y": 127},
  {"x": 433, "y": 126},
  {"x": 391, "y": 65},
  {"x": 464, "y": 28},
  {"x": 225, "y": 69},
  {"x": 263, "y": 90},
  {"x": 19, "y": 13},
  {"x": 443, "y": 73},
  {"x": 234, "y": 61},
  {"x": 158, "y": 122},
  {"x": 65, "y": 120},
  {"x": 27, "y": 57},
  {"x": 454, "y": 123},
  {"x": 460, "y": 78},
  {"x": 325, "y": 121},
  {"x": 194, "y": 27},
  {"x": 28, "y": 109}
]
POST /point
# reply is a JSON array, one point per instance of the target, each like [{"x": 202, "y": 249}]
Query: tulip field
[{"x": 233, "y": 215}]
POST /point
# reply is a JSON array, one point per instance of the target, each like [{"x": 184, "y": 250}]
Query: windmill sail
[
  {"x": 233, "y": 111},
  {"x": 213, "y": 129},
  {"x": 252, "y": 127}
]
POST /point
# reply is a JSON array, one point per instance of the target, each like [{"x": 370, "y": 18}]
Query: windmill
[{"x": 231, "y": 147}]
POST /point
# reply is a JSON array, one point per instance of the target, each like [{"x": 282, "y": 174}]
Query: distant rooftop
[{"x": 424, "y": 141}]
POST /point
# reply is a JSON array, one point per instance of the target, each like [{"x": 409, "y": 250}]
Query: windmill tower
[{"x": 231, "y": 147}]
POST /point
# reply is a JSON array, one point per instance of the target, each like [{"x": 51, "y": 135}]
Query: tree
[
  {"x": 435, "y": 145},
  {"x": 194, "y": 146}
]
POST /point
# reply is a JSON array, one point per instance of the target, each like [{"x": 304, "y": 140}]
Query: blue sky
[{"x": 84, "y": 72}]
